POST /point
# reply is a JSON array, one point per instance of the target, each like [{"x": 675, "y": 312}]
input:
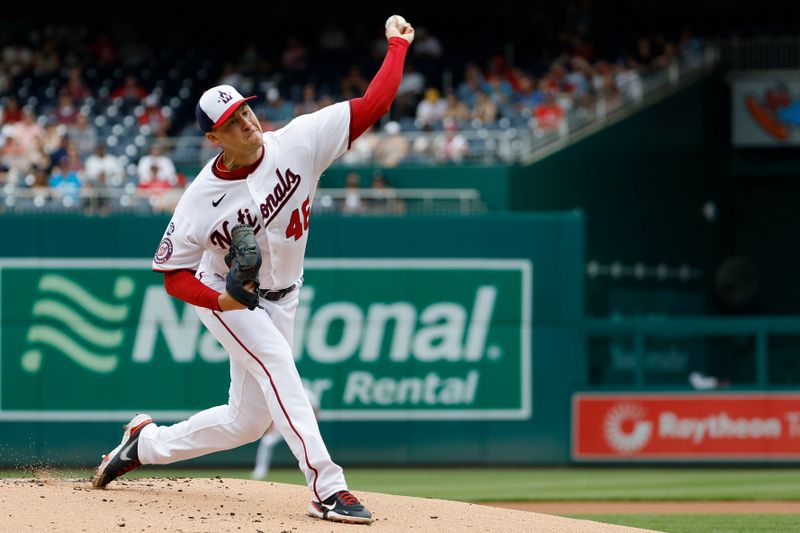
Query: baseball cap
[{"x": 216, "y": 105}]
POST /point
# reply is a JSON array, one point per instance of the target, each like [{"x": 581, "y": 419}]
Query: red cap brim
[{"x": 231, "y": 110}]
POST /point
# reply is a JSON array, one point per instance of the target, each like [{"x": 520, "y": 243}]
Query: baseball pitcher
[{"x": 234, "y": 249}]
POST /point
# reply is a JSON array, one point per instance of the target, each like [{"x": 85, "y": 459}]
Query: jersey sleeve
[
  {"x": 326, "y": 133},
  {"x": 179, "y": 248}
]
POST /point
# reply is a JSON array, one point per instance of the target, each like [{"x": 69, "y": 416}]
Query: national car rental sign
[{"x": 685, "y": 427}]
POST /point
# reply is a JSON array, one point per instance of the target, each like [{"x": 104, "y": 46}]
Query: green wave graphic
[
  {"x": 73, "y": 291},
  {"x": 85, "y": 358},
  {"x": 78, "y": 324}
]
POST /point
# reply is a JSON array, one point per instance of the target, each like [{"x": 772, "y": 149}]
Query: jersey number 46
[{"x": 296, "y": 228}]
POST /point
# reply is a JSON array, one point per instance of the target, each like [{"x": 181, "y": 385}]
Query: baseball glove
[{"x": 243, "y": 260}]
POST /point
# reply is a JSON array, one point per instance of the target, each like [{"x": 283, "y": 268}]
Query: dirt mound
[{"x": 220, "y": 504}]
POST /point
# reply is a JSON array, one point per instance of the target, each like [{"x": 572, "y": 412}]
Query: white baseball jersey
[{"x": 275, "y": 199}]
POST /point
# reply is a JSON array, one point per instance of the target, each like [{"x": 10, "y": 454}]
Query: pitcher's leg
[
  {"x": 270, "y": 361},
  {"x": 242, "y": 420}
]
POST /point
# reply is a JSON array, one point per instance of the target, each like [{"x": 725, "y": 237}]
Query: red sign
[{"x": 683, "y": 427}]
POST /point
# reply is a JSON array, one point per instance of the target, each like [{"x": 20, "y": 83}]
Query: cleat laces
[{"x": 347, "y": 497}]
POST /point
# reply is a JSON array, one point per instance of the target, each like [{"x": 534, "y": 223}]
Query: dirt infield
[
  {"x": 220, "y": 504},
  {"x": 573, "y": 508}
]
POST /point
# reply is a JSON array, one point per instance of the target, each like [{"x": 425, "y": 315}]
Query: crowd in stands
[{"x": 89, "y": 120}]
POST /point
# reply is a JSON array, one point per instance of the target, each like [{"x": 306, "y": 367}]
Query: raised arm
[{"x": 377, "y": 100}]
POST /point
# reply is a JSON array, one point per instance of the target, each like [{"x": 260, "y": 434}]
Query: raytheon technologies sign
[{"x": 685, "y": 427}]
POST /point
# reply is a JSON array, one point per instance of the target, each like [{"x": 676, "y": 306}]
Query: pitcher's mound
[{"x": 219, "y": 504}]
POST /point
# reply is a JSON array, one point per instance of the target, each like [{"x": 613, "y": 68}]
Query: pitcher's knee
[{"x": 251, "y": 428}]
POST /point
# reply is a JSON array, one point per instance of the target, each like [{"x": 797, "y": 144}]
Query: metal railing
[
  {"x": 129, "y": 199},
  {"x": 639, "y": 332}
]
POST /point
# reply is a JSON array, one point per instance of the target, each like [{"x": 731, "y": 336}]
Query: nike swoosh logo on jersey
[
  {"x": 124, "y": 454},
  {"x": 215, "y": 204}
]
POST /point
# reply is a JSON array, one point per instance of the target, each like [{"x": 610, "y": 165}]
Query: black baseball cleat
[
  {"x": 124, "y": 457},
  {"x": 341, "y": 507}
]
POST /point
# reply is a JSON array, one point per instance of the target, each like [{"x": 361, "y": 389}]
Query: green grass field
[
  {"x": 705, "y": 523},
  {"x": 573, "y": 484}
]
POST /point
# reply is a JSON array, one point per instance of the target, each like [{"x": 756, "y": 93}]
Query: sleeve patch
[{"x": 164, "y": 251}]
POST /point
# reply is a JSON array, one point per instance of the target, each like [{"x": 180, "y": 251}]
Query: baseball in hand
[{"x": 396, "y": 20}]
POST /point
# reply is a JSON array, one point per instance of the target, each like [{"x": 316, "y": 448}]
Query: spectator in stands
[
  {"x": 57, "y": 153},
  {"x": 66, "y": 185},
  {"x": 354, "y": 84},
  {"x": 473, "y": 84},
  {"x": 38, "y": 157},
  {"x": 394, "y": 147},
  {"x": 485, "y": 110},
  {"x": 409, "y": 93},
  {"x": 231, "y": 75},
  {"x": 431, "y": 109},
  {"x": 501, "y": 93},
  {"x": 352, "y": 201},
  {"x": 156, "y": 170},
  {"x": 549, "y": 114},
  {"x": 499, "y": 73},
  {"x": 385, "y": 200},
  {"x": 39, "y": 184},
  {"x": 27, "y": 131},
  {"x": 103, "y": 164},
  {"x": 11, "y": 111},
  {"x": 46, "y": 60},
  {"x": 309, "y": 103},
  {"x": 363, "y": 149},
  {"x": 84, "y": 135},
  {"x": 17, "y": 57},
  {"x": 156, "y": 183},
  {"x": 450, "y": 146},
  {"x": 278, "y": 111},
  {"x": 603, "y": 84},
  {"x": 153, "y": 116},
  {"x": 97, "y": 196},
  {"x": 54, "y": 134},
  {"x": 131, "y": 91},
  {"x": 456, "y": 109},
  {"x": 73, "y": 161},
  {"x": 66, "y": 112},
  {"x": 529, "y": 96},
  {"x": 577, "y": 79},
  {"x": 75, "y": 87},
  {"x": 629, "y": 82}
]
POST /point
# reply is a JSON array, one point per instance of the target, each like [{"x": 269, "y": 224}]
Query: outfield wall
[{"x": 429, "y": 339}]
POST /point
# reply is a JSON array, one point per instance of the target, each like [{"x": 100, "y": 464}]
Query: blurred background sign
[{"x": 765, "y": 108}]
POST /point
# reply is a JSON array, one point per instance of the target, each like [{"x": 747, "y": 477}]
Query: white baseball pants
[{"x": 265, "y": 388}]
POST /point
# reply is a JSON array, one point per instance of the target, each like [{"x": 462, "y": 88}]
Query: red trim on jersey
[
  {"x": 183, "y": 285},
  {"x": 228, "y": 112},
  {"x": 220, "y": 170},
  {"x": 280, "y": 402},
  {"x": 377, "y": 101}
]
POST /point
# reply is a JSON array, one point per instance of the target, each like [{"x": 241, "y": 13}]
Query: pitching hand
[{"x": 396, "y": 26}]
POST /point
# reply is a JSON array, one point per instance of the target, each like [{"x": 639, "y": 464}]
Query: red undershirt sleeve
[
  {"x": 183, "y": 285},
  {"x": 375, "y": 103}
]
